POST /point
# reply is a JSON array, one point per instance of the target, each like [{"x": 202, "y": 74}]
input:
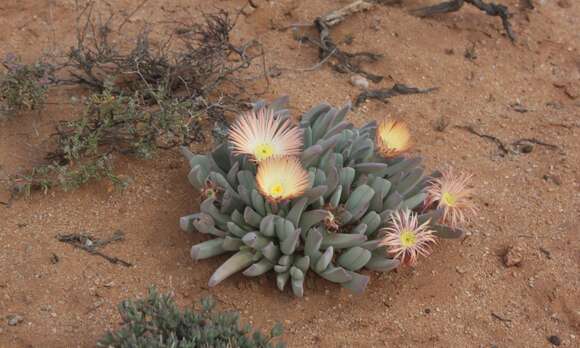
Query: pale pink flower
[
  {"x": 261, "y": 135},
  {"x": 281, "y": 178},
  {"x": 393, "y": 138},
  {"x": 450, "y": 193},
  {"x": 405, "y": 239}
]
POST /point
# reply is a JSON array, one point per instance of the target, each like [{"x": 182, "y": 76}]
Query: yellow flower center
[
  {"x": 263, "y": 151},
  {"x": 448, "y": 199},
  {"x": 276, "y": 190},
  {"x": 394, "y": 139},
  {"x": 408, "y": 238}
]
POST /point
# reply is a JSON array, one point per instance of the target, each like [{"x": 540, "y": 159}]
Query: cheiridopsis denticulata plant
[{"x": 323, "y": 196}]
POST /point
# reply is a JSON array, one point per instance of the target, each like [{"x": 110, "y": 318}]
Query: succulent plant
[{"x": 330, "y": 217}]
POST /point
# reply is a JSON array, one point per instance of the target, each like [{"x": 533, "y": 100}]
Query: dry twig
[
  {"x": 90, "y": 244},
  {"x": 384, "y": 94},
  {"x": 492, "y": 9}
]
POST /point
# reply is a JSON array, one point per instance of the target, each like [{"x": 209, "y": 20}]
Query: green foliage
[
  {"x": 45, "y": 177},
  {"x": 333, "y": 229},
  {"x": 23, "y": 87},
  {"x": 146, "y": 98},
  {"x": 157, "y": 322},
  {"x": 110, "y": 124}
]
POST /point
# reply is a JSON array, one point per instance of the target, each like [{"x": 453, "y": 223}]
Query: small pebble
[
  {"x": 555, "y": 340},
  {"x": 564, "y": 3},
  {"x": 359, "y": 81},
  {"x": 14, "y": 319},
  {"x": 513, "y": 257}
]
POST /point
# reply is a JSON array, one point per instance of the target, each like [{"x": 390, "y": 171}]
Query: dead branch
[
  {"x": 500, "y": 144},
  {"x": 345, "y": 62},
  {"x": 492, "y": 9},
  {"x": 90, "y": 244},
  {"x": 337, "y": 16},
  {"x": 386, "y": 93},
  {"x": 523, "y": 145},
  {"x": 329, "y": 53}
]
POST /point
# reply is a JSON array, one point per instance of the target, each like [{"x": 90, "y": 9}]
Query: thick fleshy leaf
[
  {"x": 208, "y": 207},
  {"x": 303, "y": 263},
  {"x": 371, "y": 168},
  {"x": 432, "y": 216},
  {"x": 186, "y": 222},
  {"x": 312, "y": 115},
  {"x": 342, "y": 240},
  {"x": 204, "y": 223},
  {"x": 221, "y": 156},
  {"x": 236, "y": 230},
  {"x": 320, "y": 127},
  {"x": 311, "y": 218},
  {"x": 252, "y": 218},
  {"x": 254, "y": 240},
  {"x": 220, "y": 180},
  {"x": 332, "y": 180},
  {"x": 186, "y": 153},
  {"x": 393, "y": 201},
  {"x": 312, "y": 244},
  {"x": 232, "y": 176},
  {"x": 337, "y": 129},
  {"x": 247, "y": 180},
  {"x": 197, "y": 177},
  {"x": 271, "y": 252},
  {"x": 413, "y": 202},
  {"x": 447, "y": 232},
  {"x": 354, "y": 258},
  {"x": 267, "y": 227},
  {"x": 314, "y": 193},
  {"x": 307, "y": 135},
  {"x": 232, "y": 243},
  {"x": 297, "y": 287},
  {"x": 288, "y": 245},
  {"x": 357, "y": 284},
  {"x": 410, "y": 181},
  {"x": 371, "y": 244},
  {"x": 373, "y": 220},
  {"x": 360, "y": 229},
  {"x": 381, "y": 187},
  {"x": 284, "y": 228},
  {"x": 207, "y": 249},
  {"x": 336, "y": 274},
  {"x": 258, "y": 202},
  {"x": 361, "y": 196},
  {"x": 382, "y": 264},
  {"x": 311, "y": 155},
  {"x": 346, "y": 178},
  {"x": 258, "y": 268},
  {"x": 406, "y": 164},
  {"x": 235, "y": 263},
  {"x": 281, "y": 280},
  {"x": 335, "y": 198},
  {"x": 324, "y": 260},
  {"x": 296, "y": 273},
  {"x": 295, "y": 213}
]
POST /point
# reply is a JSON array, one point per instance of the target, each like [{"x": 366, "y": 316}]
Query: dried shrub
[{"x": 145, "y": 98}]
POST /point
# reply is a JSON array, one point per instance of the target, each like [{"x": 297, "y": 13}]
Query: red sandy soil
[{"x": 455, "y": 298}]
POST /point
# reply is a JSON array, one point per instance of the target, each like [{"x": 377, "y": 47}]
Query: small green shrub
[
  {"x": 23, "y": 87},
  {"x": 157, "y": 322}
]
